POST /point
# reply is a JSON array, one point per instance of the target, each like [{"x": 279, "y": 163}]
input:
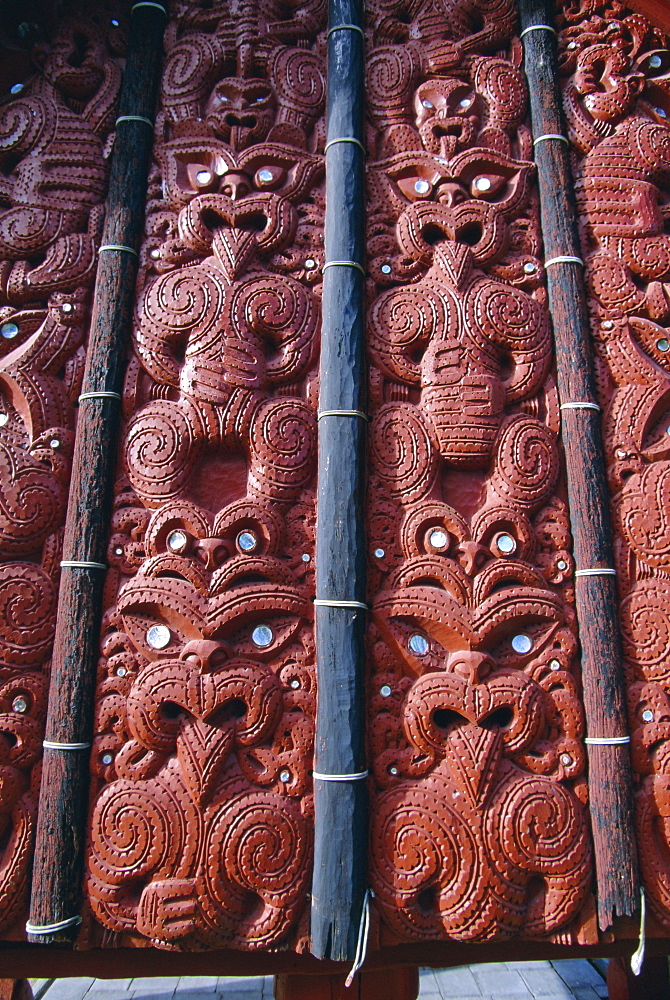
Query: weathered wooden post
[
  {"x": 340, "y": 796},
  {"x": 610, "y": 785},
  {"x": 64, "y": 792}
]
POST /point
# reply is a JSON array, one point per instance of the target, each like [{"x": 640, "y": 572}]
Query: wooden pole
[
  {"x": 340, "y": 802},
  {"x": 61, "y": 823},
  {"x": 610, "y": 780}
]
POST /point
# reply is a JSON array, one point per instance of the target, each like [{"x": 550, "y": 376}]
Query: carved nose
[
  {"x": 235, "y": 186},
  {"x": 206, "y": 654},
  {"x": 451, "y": 194},
  {"x": 211, "y": 552},
  {"x": 471, "y": 555},
  {"x": 470, "y": 664}
]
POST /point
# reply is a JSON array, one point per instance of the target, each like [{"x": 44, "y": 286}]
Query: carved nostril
[
  {"x": 212, "y": 552},
  {"x": 206, "y": 654},
  {"x": 471, "y": 556},
  {"x": 451, "y": 194},
  {"x": 469, "y": 663}
]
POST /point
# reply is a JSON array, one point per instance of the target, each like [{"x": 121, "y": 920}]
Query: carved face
[
  {"x": 476, "y": 717},
  {"x": 241, "y": 112},
  {"x": 605, "y": 80},
  {"x": 446, "y": 115},
  {"x": 212, "y": 738}
]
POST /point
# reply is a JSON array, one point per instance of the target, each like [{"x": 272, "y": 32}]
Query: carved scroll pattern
[
  {"x": 479, "y": 829},
  {"x": 200, "y": 832},
  {"x": 54, "y": 137},
  {"x": 616, "y": 67}
]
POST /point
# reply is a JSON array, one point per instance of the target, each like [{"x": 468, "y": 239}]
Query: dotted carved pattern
[
  {"x": 475, "y": 724},
  {"x": 55, "y": 135},
  {"x": 201, "y": 821},
  {"x": 616, "y": 76}
]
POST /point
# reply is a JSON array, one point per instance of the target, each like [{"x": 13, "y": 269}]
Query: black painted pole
[
  {"x": 61, "y": 823},
  {"x": 610, "y": 779},
  {"x": 340, "y": 866}
]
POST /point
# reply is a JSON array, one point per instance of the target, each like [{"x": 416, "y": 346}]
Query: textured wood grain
[
  {"x": 610, "y": 789},
  {"x": 341, "y": 814},
  {"x": 63, "y": 798}
]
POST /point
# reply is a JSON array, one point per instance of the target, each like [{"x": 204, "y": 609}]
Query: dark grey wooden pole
[
  {"x": 340, "y": 866},
  {"x": 610, "y": 780},
  {"x": 61, "y": 823}
]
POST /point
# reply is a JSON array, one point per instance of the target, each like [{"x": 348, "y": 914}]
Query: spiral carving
[
  {"x": 22, "y": 123},
  {"x": 179, "y": 306},
  {"x": 190, "y": 72},
  {"x": 282, "y": 448},
  {"x": 403, "y": 320},
  {"x": 132, "y": 833},
  {"x": 645, "y": 625},
  {"x": 421, "y": 843},
  {"x": 163, "y": 443},
  {"x": 503, "y": 87},
  {"x": 402, "y": 451},
  {"x": 281, "y": 313},
  {"x": 32, "y": 501},
  {"x": 527, "y": 466},
  {"x": 299, "y": 79},
  {"x": 538, "y": 826},
  {"x": 390, "y": 72},
  {"x": 27, "y": 610},
  {"x": 257, "y": 849}
]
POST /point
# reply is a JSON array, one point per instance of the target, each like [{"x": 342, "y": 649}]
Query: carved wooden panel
[
  {"x": 54, "y": 130},
  {"x": 479, "y": 830},
  {"x": 200, "y": 829},
  {"x": 616, "y": 69},
  {"x": 202, "y": 810}
]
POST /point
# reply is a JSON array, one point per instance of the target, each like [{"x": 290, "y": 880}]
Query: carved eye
[
  {"x": 416, "y": 188},
  {"x": 177, "y": 541},
  {"x": 267, "y": 636},
  {"x": 201, "y": 177},
  {"x": 657, "y": 63},
  {"x": 489, "y": 186},
  {"x": 269, "y": 177},
  {"x": 418, "y": 644},
  {"x": 504, "y": 544},
  {"x": 159, "y": 636},
  {"x": 524, "y": 641},
  {"x": 154, "y": 636},
  {"x": 464, "y": 104}
]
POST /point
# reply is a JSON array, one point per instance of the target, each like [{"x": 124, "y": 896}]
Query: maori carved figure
[
  {"x": 479, "y": 828},
  {"x": 202, "y": 809},
  {"x": 54, "y": 131},
  {"x": 618, "y": 107}
]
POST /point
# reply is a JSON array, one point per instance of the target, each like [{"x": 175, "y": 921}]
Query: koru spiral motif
[
  {"x": 616, "y": 68},
  {"x": 55, "y": 133},
  {"x": 479, "y": 826},
  {"x": 200, "y": 828},
  {"x": 202, "y": 816}
]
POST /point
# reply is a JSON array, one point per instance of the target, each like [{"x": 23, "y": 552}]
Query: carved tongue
[
  {"x": 456, "y": 261},
  {"x": 233, "y": 248},
  {"x": 472, "y": 755},
  {"x": 202, "y": 751}
]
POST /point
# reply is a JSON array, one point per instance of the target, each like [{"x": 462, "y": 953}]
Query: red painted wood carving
[
  {"x": 201, "y": 820},
  {"x": 617, "y": 99},
  {"x": 479, "y": 829},
  {"x": 54, "y": 128}
]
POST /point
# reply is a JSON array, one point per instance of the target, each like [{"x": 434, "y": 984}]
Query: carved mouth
[{"x": 240, "y": 121}]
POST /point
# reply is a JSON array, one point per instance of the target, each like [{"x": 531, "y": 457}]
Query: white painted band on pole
[
  {"x": 606, "y": 741},
  {"x": 357, "y": 776}
]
